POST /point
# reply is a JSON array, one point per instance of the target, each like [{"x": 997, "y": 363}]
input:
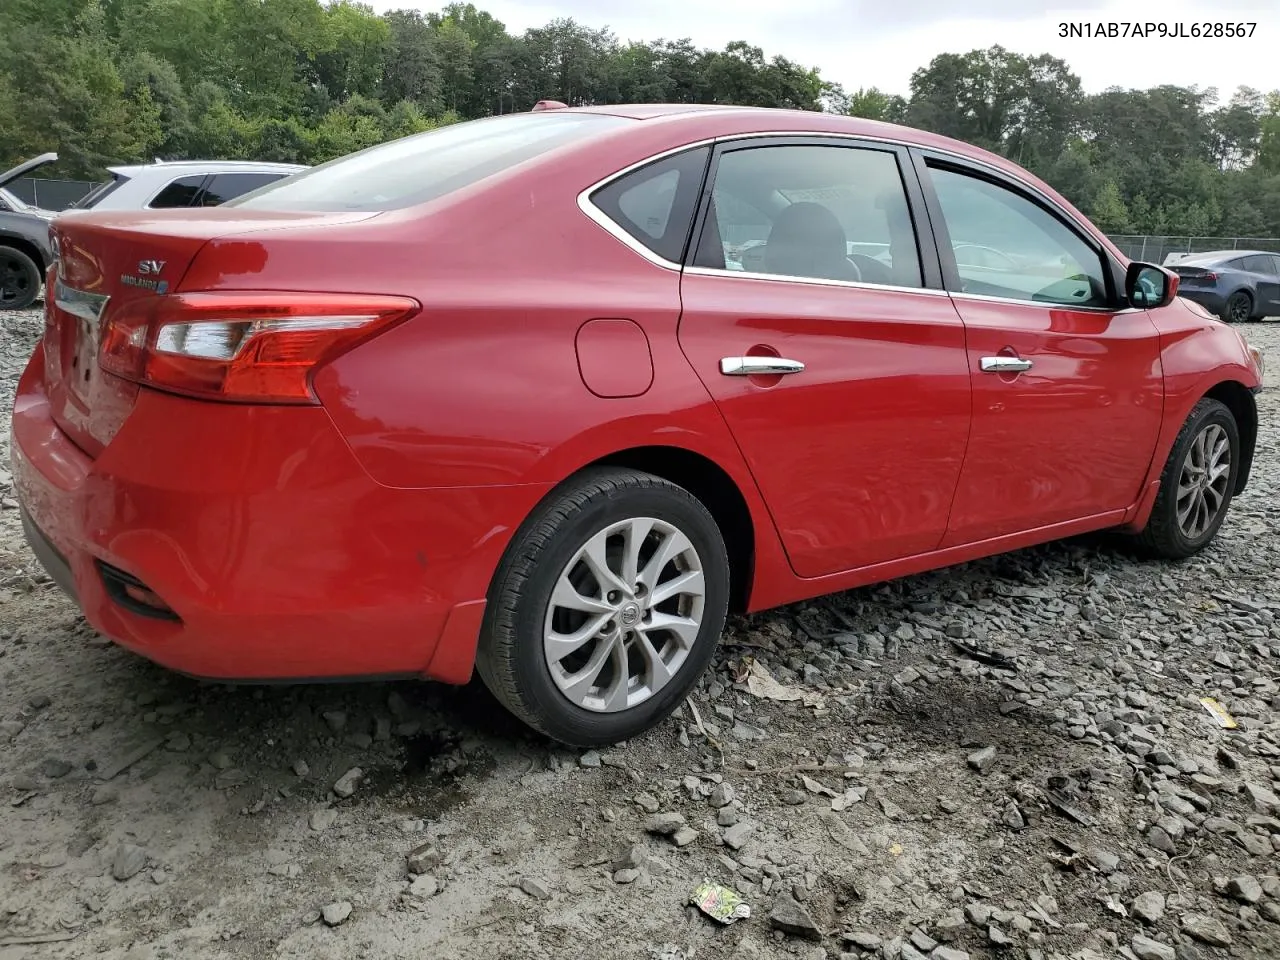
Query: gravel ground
[{"x": 1068, "y": 798}]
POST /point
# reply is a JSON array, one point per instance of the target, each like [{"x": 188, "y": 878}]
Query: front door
[
  {"x": 826, "y": 343},
  {"x": 1067, "y": 382}
]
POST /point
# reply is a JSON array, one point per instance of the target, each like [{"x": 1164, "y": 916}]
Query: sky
[{"x": 864, "y": 43}]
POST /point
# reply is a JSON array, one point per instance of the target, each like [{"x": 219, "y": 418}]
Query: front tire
[
  {"x": 19, "y": 279},
  {"x": 1239, "y": 308},
  {"x": 606, "y": 608},
  {"x": 1197, "y": 484}
]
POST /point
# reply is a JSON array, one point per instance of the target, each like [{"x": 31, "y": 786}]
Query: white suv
[{"x": 181, "y": 183}]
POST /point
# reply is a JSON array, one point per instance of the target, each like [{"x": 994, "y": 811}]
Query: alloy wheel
[
  {"x": 624, "y": 614},
  {"x": 1202, "y": 482},
  {"x": 1238, "y": 309},
  {"x": 14, "y": 282}
]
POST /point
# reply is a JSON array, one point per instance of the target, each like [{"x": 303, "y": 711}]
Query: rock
[
  {"x": 382, "y": 729},
  {"x": 104, "y": 795},
  {"x": 535, "y": 888},
  {"x": 863, "y": 940},
  {"x": 626, "y": 875},
  {"x": 982, "y": 760},
  {"x": 922, "y": 941},
  {"x": 664, "y": 824},
  {"x": 722, "y": 795},
  {"x": 56, "y": 768},
  {"x": 336, "y": 719},
  {"x": 1244, "y": 888},
  {"x": 424, "y": 887},
  {"x": 1106, "y": 861},
  {"x": 1149, "y": 907},
  {"x": 1206, "y": 929},
  {"x": 128, "y": 861},
  {"x": 300, "y": 769},
  {"x": 684, "y": 836},
  {"x": 735, "y": 837},
  {"x": 998, "y": 937},
  {"x": 648, "y": 802},
  {"x": 323, "y": 819},
  {"x": 949, "y": 953},
  {"x": 39, "y": 702},
  {"x": 589, "y": 759},
  {"x": 336, "y": 914},
  {"x": 1145, "y": 948},
  {"x": 1264, "y": 801},
  {"x": 220, "y": 760},
  {"x": 10, "y": 729},
  {"x": 178, "y": 742},
  {"x": 347, "y": 783},
  {"x": 229, "y": 778},
  {"x": 793, "y": 919},
  {"x": 424, "y": 859},
  {"x": 361, "y": 741},
  {"x": 979, "y": 914},
  {"x": 727, "y": 816}
]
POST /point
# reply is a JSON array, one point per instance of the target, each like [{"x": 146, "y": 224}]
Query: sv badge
[{"x": 150, "y": 267}]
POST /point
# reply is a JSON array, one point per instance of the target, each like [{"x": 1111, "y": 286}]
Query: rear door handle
[
  {"x": 1005, "y": 364},
  {"x": 758, "y": 366}
]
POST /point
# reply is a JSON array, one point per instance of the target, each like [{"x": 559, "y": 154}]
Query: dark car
[
  {"x": 1237, "y": 285},
  {"x": 24, "y": 241}
]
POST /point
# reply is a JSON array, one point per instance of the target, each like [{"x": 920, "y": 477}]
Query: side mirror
[{"x": 1147, "y": 286}]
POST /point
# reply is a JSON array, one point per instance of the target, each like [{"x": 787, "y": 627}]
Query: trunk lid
[{"x": 107, "y": 262}]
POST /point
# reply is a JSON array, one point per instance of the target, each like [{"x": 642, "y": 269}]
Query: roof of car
[
  {"x": 1212, "y": 256},
  {"x": 208, "y": 166}
]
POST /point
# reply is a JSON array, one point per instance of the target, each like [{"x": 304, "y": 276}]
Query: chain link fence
[
  {"x": 1151, "y": 249},
  {"x": 49, "y": 194}
]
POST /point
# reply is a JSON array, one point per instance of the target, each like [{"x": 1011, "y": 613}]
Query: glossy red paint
[
  {"x": 1069, "y": 438},
  {"x": 359, "y": 536}
]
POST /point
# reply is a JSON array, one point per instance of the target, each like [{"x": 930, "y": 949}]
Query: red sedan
[{"x": 549, "y": 394}]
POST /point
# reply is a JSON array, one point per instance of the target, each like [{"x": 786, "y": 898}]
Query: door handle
[
  {"x": 758, "y": 366},
  {"x": 1005, "y": 364}
]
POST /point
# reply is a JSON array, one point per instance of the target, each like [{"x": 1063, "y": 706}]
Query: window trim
[
  {"x": 204, "y": 182},
  {"x": 1112, "y": 274},
  {"x": 603, "y": 220},
  {"x": 926, "y": 251}
]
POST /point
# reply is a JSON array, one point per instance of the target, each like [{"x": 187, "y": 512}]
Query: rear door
[
  {"x": 1262, "y": 267},
  {"x": 835, "y": 358},
  {"x": 1067, "y": 383}
]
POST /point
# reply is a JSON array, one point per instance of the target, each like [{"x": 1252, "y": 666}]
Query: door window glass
[
  {"x": 1007, "y": 246},
  {"x": 811, "y": 212},
  {"x": 180, "y": 193}
]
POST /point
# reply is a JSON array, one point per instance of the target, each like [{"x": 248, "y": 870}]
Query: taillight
[{"x": 243, "y": 347}]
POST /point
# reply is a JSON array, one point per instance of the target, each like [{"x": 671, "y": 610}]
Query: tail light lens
[{"x": 241, "y": 347}]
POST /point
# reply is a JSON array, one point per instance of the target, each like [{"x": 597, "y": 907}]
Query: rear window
[
  {"x": 227, "y": 186},
  {"x": 179, "y": 193},
  {"x": 428, "y": 165},
  {"x": 98, "y": 192}
]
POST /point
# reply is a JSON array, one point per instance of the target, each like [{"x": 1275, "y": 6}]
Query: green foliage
[{"x": 116, "y": 81}]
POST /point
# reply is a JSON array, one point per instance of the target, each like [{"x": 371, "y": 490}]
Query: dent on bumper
[{"x": 282, "y": 558}]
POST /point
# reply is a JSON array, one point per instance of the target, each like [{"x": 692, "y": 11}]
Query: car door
[
  {"x": 1262, "y": 268},
  {"x": 1067, "y": 382},
  {"x": 842, "y": 376}
]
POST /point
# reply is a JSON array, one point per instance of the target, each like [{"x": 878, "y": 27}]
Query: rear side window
[
  {"x": 429, "y": 165},
  {"x": 655, "y": 204},
  {"x": 180, "y": 193},
  {"x": 1257, "y": 264},
  {"x": 227, "y": 186}
]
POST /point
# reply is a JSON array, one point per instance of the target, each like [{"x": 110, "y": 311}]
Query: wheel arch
[
  {"x": 1238, "y": 398},
  {"x": 26, "y": 246},
  {"x": 718, "y": 492}
]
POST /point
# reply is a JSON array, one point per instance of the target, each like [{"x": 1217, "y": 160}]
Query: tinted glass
[
  {"x": 227, "y": 186},
  {"x": 428, "y": 165},
  {"x": 1257, "y": 264},
  {"x": 180, "y": 193},
  {"x": 656, "y": 203},
  {"x": 1275, "y": 266},
  {"x": 813, "y": 212},
  {"x": 1005, "y": 245}
]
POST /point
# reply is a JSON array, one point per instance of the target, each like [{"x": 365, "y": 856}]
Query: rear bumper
[
  {"x": 279, "y": 557},
  {"x": 1211, "y": 300}
]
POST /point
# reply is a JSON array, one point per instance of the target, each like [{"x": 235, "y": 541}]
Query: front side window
[
  {"x": 180, "y": 193},
  {"x": 655, "y": 204},
  {"x": 811, "y": 212},
  {"x": 1007, "y": 246}
]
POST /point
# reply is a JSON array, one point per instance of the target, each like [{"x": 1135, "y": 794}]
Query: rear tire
[
  {"x": 586, "y": 645},
  {"x": 1197, "y": 484},
  {"x": 19, "y": 279},
  {"x": 1239, "y": 308}
]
